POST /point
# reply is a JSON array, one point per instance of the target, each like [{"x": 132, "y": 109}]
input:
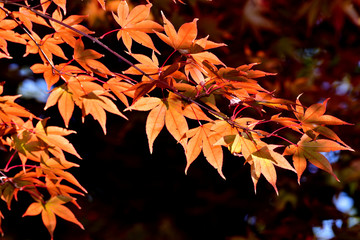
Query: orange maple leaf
[
  {"x": 247, "y": 143},
  {"x": 53, "y": 136},
  {"x": 314, "y": 116},
  {"x": 155, "y": 121},
  {"x": 65, "y": 33},
  {"x": 263, "y": 161},
  {"x": 54, "y": 171},
  {"x": 61, "y": 4},
  {"x": 95, "y": 103},
  {"x": 54, "y": 206},
  {"x": 28, "y": 17},
  {"x": 163, "y": 113},
  {"x": 311, "y": 150},
  {"x": 91, "y": 97},
  {"x": 184, "y": 41},
  {"x": 86, "y": 58},
  {"x": 64, "y": 98},
  {"x": 148, "y": 65},
  {"x": 134, "y": 25},
  {"x": 203, "y": 139},
  {"x": 52, "y": 76},
  {"x": 11, "y": 112},
  {"x": 46, "y": 47},
  {"x": 24, "y": 181},
  {"x": 120, "y": 89},
  {"x": 181, "y": 40},
  {"x": 6, "y": 34}
]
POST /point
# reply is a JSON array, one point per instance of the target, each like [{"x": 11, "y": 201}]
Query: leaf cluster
[{"x": 192, "y": 82}]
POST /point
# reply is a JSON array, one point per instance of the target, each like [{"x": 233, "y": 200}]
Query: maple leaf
[
  {"x": 55, "y": 188},
  {"x": 22, "y": 181},
  {"x": 261, "y": 156},
  {"x": 74, "y": 91},
  {"x": 184, "y": 40},
  {"x": 193, "y": 111},
  {"x": 263, "y": 161},
  {"x": 155, "y": 121},
  {"x": 148, "y": 65},
  {"x": 38, "y": 143},
  {"x": 175, "y": 121},
  {"x": 95, "y": 103},
  {"x": 155, "y": 76},
  {"x": 311, "y": 150},
  {"x": 287, "y": 121},
  {"x": 54, "y": 172},
  {"x": 202, "y": 44},
  {"x": 11, "y": 112},
  {"x": 50, "y": 209},
  {"x": 230, "y": 133},
  {"x": 193, "y": 91},
  {"x": 61, "y": 4},
  {"x": 314, "y": 116},
  {"x": 39, "y": 148},
  {"x": 6, "y": 34},
  {"x": 120, "y": 89},
  {"x": 46, "y": 46},
  {"x": 51, "y": 75},
  {"x": 64, "y": 98},
  {"x": 168, "y": 113},
  {"x": 86, "y": 58},
  {"x": 53, "y": 136},
  {"x": 28, "y": 17},
  {"x": 134, "y": 25},
  {"x": 65, "y": 33},
  {"x": 195, "y": 70},
  {"x": 181, "y": 40},
  {"x": 44, "y": 5},
  {"x": 26, "y": 145},
  {"x": 203, "y": 139},
  {"x": 91, "y": 97},
  {"x": 246, "y": 142}
]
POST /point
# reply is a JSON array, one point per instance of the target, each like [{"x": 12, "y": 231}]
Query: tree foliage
[{"x": 205, "y": 105}]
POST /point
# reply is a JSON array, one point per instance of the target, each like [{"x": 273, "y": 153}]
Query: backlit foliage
[{"x": 185, "y": 94}]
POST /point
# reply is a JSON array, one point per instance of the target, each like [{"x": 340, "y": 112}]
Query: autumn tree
[{"x": 206, "y": 106}]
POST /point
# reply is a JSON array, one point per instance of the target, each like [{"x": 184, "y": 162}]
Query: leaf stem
[{"x": 6, "y": 169}]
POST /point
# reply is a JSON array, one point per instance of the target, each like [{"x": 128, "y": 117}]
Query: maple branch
[
  {"x": 42, "y": 3},
  {"x": 96, "y": 40},
  {"x": 174, "y": 90},
  {"x": 93, "y": 39}
]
